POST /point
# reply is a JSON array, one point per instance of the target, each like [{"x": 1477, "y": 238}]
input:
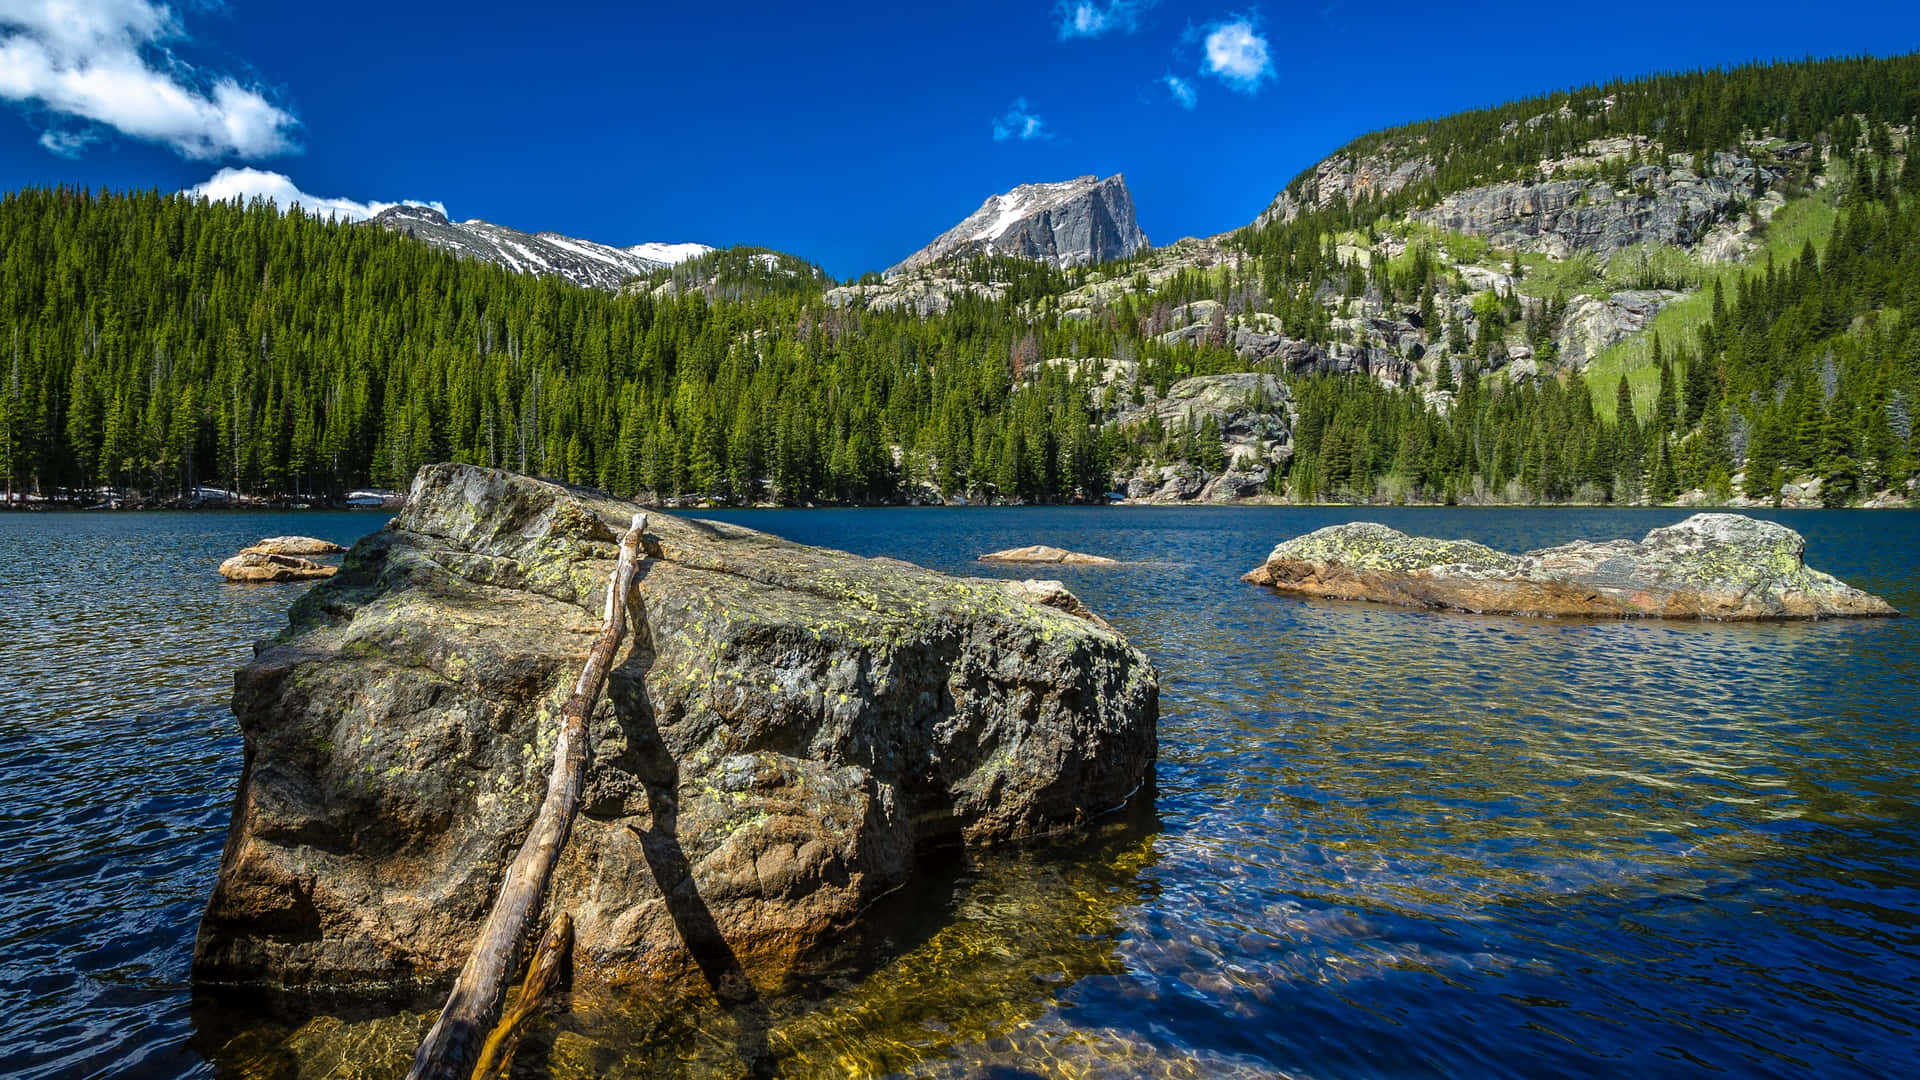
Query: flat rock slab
[
  {"x": 789, "y": 731},
  {"x": 1710, "y": 566},
  {"x": 256, "y": 567},
  {"x": 1041, "y": 553},
  {"x": 292, "y": 545}
]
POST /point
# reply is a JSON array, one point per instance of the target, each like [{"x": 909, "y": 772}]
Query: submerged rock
[
  {"x": 1041, "y": 553},
  {"x": 1710, "y": 566},
  {"x": 793, "y": 728},
  {"x": 260, "y": 568},
  {"x": 292, "y": 545}
]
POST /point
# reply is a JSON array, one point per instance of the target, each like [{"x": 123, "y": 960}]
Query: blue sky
[{"x": 848, "y": 134}]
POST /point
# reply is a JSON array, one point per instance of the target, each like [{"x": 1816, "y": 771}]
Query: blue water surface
[{"x": 1384, "y": 843}]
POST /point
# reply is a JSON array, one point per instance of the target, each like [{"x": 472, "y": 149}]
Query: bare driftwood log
[
  {"x": 542, "y": 974},
  {"x": 452, "y": 1048}
]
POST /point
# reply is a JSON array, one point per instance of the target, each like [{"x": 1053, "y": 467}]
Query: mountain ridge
[{"x": 582, "y": 262}]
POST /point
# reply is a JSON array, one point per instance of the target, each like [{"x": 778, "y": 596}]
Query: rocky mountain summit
[
  {"x": 1710, "y": 566},
  {"x": 790, "y": 732},
  {"x": 1071, "y": 223},
  {"x": 583, "y": 262}
]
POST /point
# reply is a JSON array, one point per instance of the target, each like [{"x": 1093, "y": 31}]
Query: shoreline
[{"x": 1121, "y": 504}]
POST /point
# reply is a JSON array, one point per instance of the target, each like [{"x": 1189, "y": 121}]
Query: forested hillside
[
  {"x": 155, "y": 343},
  {"x": 1767, "y": 214},
  {"x": 1694, "y": 286},
  {"x": 1695, "y": 113}
]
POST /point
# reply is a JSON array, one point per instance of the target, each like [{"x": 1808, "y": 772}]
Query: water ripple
[{"x": 1386, "y": 843}]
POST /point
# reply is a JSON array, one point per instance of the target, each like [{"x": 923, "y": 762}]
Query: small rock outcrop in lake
[
  {"x": 1710, "y": 566},
  {"x": 292, "y": 545},
  {"x": 790, "y": 730},
  {"x": 257, "y": 567},
  {"x": 1042, "y": 553}
]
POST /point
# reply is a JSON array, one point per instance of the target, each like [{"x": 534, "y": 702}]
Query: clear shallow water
[{"x": 1386, "y": 843}]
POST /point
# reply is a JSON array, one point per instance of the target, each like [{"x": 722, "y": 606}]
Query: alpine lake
[{"x": 1382, "y": 843}]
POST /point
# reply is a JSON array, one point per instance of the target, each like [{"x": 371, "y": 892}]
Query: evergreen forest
[{"x": 157, "y": 345}]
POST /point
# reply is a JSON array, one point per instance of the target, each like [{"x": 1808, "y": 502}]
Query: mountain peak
[{"x": 1065, "y": 222}]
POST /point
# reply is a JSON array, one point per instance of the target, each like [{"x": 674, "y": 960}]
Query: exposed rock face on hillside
[
  {"x": 1597, "y": 204},
  {"x": 791, "y": 728},
  {"x": 1254, "y": 414},
  {"x": 1257, "y": 338},
  {"x": 922, "y": 294},
  {"x": 1660, "y": 205},
  {"x": 1594, "y": 323},
  {"x": 1710, "y": 566},
  {"x": 1349, "y": 177},
  {"x": 1071, "y": 223},
  {"x": 582, "y": 262}
]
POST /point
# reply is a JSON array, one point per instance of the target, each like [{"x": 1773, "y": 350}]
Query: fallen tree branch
[
  {"x": 542, "y": 974},
  {"x": 452, "y": 1048}
]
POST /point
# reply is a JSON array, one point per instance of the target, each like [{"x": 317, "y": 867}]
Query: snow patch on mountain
[
  {"x": 1068, "y": 223},
  {"x": 1011, "y": 208},
  {"x": 583, "y": 262},
  {"x": 669, "y": 254}
]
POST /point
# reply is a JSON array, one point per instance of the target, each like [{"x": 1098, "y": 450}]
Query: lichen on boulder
[
  {"x": 792, "y": 730},
  {"x": 1710, "y": 566}
]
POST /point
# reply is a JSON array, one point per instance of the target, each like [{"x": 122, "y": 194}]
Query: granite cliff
[{"x": 1071, "y": 223}]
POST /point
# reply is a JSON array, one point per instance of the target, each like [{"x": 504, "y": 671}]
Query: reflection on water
[
  {"x": 975, "y": 951},
  {"x": 1386, "y": 842}
]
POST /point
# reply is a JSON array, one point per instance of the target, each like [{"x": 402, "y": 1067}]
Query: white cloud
[
  {"x": 1087, "y": 19},
  {"x": 243, "y": 185},
  {"x": 1237, "y": 55},
  {"x": 1182, "y": 90},
  {"x": 106, "y": 62},
  {"x": 1020, "y": 122},
  {"x": 67, "y": 144}
]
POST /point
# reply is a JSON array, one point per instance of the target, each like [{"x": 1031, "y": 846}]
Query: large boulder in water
[
  {"x": 793, "y": 731},
  {"x": 1710, "y": 566}
]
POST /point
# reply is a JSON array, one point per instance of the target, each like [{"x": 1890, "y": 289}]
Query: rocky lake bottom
[{"x": 1383, "y": 842}]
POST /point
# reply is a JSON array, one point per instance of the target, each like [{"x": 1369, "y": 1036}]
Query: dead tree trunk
[{"x": 452, "y": 1048}]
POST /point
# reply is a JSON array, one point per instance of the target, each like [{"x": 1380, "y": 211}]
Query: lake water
[{"x": 1385, "y": 843}]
